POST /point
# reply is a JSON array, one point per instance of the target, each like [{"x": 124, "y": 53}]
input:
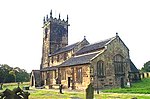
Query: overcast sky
[{"x": 21, "y": 24}]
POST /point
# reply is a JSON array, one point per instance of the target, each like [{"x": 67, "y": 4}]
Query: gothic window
[
  {"x": 47, "y": 75},
  {"x": 65, "y": 56},
  {"x": 57, "y": 58},
  {"x": 51, "y": 74},
  {"x": 52, "y": 60},
  {"x": 100, "y": 68},
  {"x": 63, "y": 74},
  {"x": 79, "y": 75},
  {"x": 46, "y": 30},
  {"x": 118, "y": 64}
]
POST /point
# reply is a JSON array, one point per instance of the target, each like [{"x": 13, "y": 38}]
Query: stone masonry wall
[
  {"x": 110, "y": 79},
  {"x": 85, "y": 76}
]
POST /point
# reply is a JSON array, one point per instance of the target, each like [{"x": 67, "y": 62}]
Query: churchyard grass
[
  {"x": 48, "y": 94},
  {"x": 141, "y": 87},
  {"x": 14, "y": 85},
  {"x": 134, "y": 91}
]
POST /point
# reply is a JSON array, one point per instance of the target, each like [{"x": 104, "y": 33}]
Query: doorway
[
  {"x": 69, "y": 81},
  {"x": 122, "y": 83},
  {"x": 32, "y": 83}
]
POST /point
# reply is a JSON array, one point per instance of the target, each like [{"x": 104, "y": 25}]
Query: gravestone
[
  {"x": 90, "y": 92},
  {"x": 1, "y": 86},
  {"x": 60, "y": 88},
  {"x": 17, "y": 93}
]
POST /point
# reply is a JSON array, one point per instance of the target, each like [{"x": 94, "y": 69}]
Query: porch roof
[
  {"x": 133, "y": 67},
  {"x": 36, "y": 74},
  {"x": 78, "y": 60}
]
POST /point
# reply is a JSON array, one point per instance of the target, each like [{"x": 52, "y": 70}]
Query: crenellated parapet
[{"x": 51, "y": 19}]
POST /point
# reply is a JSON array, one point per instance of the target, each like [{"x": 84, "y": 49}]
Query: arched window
[
  {"x": 100, "y": 69},
  {"x": 65, "y": 56},
  {"x": 46, "y": 30},
  {"x": 118, "y": 64}
]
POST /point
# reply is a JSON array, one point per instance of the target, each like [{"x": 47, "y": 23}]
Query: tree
[
  {"x": 9, "y": 74},
  {"x": 12, "y": 72},
  {"x": 146, "y": 67},
  {"x": 4, "y": 72}
]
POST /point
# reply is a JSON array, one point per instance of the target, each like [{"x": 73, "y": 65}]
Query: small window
[
  {"x": 63, "y": 74},
  {"x": 65, "y": 56},
  {"x": 57, "y": 58},
  {"x": 46, "y": 30},
  {"x": 51, "y": 74},
  {"x": 52, "y": 60},
  {"x": 79, "y": 75}
]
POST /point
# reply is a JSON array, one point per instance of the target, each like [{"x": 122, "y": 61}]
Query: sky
[{"x": 21, "y": 24}]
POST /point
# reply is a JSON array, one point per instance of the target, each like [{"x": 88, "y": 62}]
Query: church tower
[{"x": 55, "y": 36}]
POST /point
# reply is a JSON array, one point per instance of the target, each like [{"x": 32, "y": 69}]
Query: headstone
[
  {"x": 17, "y": 93},
  {"x": 1, "y": 86},
  {"x": 90, "y": 92},
  {"x": 128, "y": 84},
  {"x": 60, "y": 88},
  {"x": 18, "y": 84}
]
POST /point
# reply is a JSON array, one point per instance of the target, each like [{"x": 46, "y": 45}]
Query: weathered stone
[{"x": 90, "y": 92}]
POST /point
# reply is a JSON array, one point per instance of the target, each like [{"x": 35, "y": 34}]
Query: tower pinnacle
[
  {"x": 51, "y": 14},
  {"x": 46, "y": 17},
  {"x": 67, "y": 18},
  {"x": 59, "y": 15},
  {"x": 44, "y": 20}
]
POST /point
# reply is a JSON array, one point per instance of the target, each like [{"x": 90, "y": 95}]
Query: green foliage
[
  {"x": 9, "y": 74},
  {"x": 146, "y": 67},
  {"x": 142, "y": 86}
]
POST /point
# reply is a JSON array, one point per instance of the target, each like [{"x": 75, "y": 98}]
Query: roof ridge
[
  {"x": 63, "y": 48},
  {"x": 95, "y": 46},
  {"x": 100, "y": 41},
  {"x": 70, "y": 45},
  {"x": 87, "y": 54}
]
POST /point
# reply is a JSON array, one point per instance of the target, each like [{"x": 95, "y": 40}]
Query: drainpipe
[
  {"x": 73, "y": 80},
  {"x": 97, "y": 84},
  {"x": 59, "y": 76}
]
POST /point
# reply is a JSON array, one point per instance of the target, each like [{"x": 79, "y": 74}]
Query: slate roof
[
  {"x": 93, "y": 47},
  {"x": 133, "y": 67},
  {"x": 78, "y": 60},
  {"x": 64, "y": 49},
  {"x": 49, "y": 68}
]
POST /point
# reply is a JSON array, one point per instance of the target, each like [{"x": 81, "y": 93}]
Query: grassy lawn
[
  {"x": 125, "y": 93},
  {"x": 51, "y": 94},
  {"x": 14, "y": 85},
  {"x": 141, "y": 87},
  {"x": 48, "y": 94}
]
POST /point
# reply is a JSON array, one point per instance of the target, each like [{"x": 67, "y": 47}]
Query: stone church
[{"x": 105, "y": 64}]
